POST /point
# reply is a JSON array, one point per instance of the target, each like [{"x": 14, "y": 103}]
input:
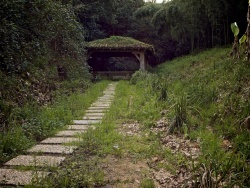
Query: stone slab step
[
  {"x": 98, "y": 108},
  {"x": 52, "y": 149},
  {"x": 104, "y": 101},
  {"x": 90, "y": 117},
  {"x": 110, "y": 92},
  {"x": 104, "y": 97},
  {"x": 108, "y": 96},
  {"x": 40, "y": 161},
  {"x": 79, "y": 127},
  {"x": 86, "y": 122},
  {"x": 60, "y": 140},
  {"x": 17, "y": 177},
  {"x": 96, "y": 111},
  {"x": 70, "y": 133},
  {"x": 94, "y": 114},
  {"x": 101, "y": 105}
]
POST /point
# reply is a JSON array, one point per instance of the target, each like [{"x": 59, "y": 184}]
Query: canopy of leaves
[{"x": 185, "y": 26}]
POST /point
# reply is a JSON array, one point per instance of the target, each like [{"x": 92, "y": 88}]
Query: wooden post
[
  {"x": 141, "y": 57},
  {"x": 142, "y": 61}
]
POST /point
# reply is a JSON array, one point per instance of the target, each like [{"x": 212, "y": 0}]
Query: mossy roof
[{"x": 119, "y": 43}]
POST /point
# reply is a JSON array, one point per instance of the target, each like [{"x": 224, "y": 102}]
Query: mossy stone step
[
  {"x": 96, "y": 111},
  {"x": 60, "y": 140},
  {"x": 39, "y": 161},
  {"x": 94, "y": 114},
  {"x": 100, "y": 105},
  {"x": 18, "y": 177},
  {"x": 79, "y": 127},
  {"x": 98, "y": 108},
  {"x": 67, "y": 133},
  {"x": 52, "y": 149},
  {"x": 86, "y": 122},
  {"x": 90, "y": 117},
  {"x": 106, "y": 99}
]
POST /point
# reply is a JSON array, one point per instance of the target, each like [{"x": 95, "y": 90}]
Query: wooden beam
[{"x": 141, "y": 57}]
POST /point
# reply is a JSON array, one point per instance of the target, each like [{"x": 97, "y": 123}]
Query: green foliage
[
  {"x": 181, "y": 111},
  {"x": 13, "y": 142},
  {"x": 38, "y": 28},
  {"x": 217, "y": 167},
  {"x": 208, "y": 95},
  {"x": 147, "y": 183},
  {"x": 235, "y": 29},
  {"x": 243, "y": 39},
  {"x": 215, "y": 87},
  {"x": 33, "y": 123},
  {"x": 76, "y": 172},
  {"x": 184, "y": 25}
]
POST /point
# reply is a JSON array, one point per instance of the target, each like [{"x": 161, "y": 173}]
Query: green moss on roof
[{"x": 119, "y": 43}]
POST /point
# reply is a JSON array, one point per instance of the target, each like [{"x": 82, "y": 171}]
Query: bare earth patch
[{"x": 124, "y": 172}]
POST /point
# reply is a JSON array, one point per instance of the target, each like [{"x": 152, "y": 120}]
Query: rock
[
  {"x": 247, "y": 123},
  {"x": 226, "y": 144},
  {"x": 155, "y": 159}
]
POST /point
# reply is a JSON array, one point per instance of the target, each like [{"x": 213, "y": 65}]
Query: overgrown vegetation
[
  {"x": 205, "y": 100},
  {"x": 42, "y": 59},
  {"x": 214, "y": 106},
  {"x": 32, "y": 123},
  {"x": 43, "y": 75}
]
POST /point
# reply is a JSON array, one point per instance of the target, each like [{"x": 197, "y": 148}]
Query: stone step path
[{"x": 52, "y": 151}]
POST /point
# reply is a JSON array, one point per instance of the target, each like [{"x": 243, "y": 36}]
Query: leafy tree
[{"x": 37, "y": 28}]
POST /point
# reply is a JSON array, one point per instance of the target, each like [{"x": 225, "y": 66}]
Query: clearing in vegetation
[{"x": 184, "y": 125}]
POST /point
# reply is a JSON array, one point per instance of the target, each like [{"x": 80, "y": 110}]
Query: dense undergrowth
[
  {"x": 32, "y": 122},
  {"x": 42, "y": 60},
  {"x": 206, "y": 97},
  {"x": 203, "y": 97}
]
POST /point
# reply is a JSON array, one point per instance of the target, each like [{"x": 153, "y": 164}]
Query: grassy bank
[
  {"x": 187, "y": 119},
  {"x": 33, "y": 123}
]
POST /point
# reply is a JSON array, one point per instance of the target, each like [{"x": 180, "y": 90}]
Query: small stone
[{"x": 155, "y": 159}]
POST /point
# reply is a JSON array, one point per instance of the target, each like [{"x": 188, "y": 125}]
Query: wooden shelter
[{"x": 117, "y": 46}]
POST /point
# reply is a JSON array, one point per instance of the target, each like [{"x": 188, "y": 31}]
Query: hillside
[
  {"x": 183, "y": 124},
  {"x": 206, "y": 98}
]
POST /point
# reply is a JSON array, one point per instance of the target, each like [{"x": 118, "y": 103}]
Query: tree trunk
[{"x": 248, "y": 33}]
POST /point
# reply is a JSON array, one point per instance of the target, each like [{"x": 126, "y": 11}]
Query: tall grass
[
  {"x": 33, "y": 123},
  {"x": 217, "y": 99}
]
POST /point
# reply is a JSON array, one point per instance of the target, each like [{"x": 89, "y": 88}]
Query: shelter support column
[{"x": 141, "y": 57}]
